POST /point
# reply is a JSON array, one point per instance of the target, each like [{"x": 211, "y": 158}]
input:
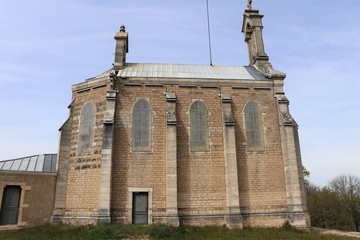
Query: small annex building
[
  {"x": 178, "y": 144},
  {"x": 27, "y": 191}
]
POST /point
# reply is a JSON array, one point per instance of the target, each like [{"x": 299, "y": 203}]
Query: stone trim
[
  {"x": 233, "y": 216},
  {"x": 171, "y": 117},
  {"x": 153, "y": 85},
  {"x": 106, "y": 159},
  {"x": 170, "y": 97},
  {"x": 188, "y": 85},
  {"x": 240, "y": 87},
  {"x": 171, "y": 161}
]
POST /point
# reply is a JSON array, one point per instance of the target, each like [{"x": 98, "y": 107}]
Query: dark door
[
  {"x": 140, "y": 208},
  {"x": 10, "y": 205}
]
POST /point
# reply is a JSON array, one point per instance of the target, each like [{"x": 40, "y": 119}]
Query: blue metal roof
[{"x": 36, "y": 163}]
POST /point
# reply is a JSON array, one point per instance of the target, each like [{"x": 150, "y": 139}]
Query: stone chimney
[
  {"x": 121, "y": 49},
  {"x": 252, "y": 29}
]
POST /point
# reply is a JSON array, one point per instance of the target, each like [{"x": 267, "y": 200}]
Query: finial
[
  {"x": 249, "y": 4},
  {"x": 122, "y": 28}
]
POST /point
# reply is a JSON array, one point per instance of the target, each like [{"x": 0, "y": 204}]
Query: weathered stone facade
[{"x": 182, "y": 144}]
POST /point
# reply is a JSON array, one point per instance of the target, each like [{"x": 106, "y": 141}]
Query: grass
[{"x": 157, "y": 232}]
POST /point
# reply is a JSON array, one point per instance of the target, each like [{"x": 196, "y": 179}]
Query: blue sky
[{"x": 46, "y": 46}]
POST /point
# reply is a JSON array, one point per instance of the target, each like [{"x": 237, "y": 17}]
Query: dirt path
[{"x": 336, "y": 232}]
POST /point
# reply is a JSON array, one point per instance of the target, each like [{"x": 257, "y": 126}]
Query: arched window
[
  {"x": 199, "y": 127},
  {"x": 141, "y": 126},
  {"x": 253, "y": 125},
  {"x": 86, "y": 128}
]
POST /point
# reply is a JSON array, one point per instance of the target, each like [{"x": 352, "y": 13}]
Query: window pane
[
  {"x": 16, "y": 164},
  {"x": 32, "y": 163},
  {"x": 86, "y": 128},
  {"x": 47, "y": 163},
  {"x": 253, "y": 125},
  {"x": 24, "y": 164},
  {"x": 53, "y": 163},
  {"x": 7, "y": 165},
  {"x": 198, "y": 126},
  {"x": 40, "y": 163},
  {"x": 141, "y": 125}
]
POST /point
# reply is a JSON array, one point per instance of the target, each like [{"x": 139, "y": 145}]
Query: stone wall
[
  {"x": 83, "y": 169},
  {"x": 139, "y": 169},
  {"x": 261, "y": 175},
  {"x": 201, "y": 180}
]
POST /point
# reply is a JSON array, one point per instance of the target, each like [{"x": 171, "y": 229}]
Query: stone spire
[
  {"x": 252, "y": 29},
  {"x": 249, "y": 4},
  {"x": 121, "y": 49}
]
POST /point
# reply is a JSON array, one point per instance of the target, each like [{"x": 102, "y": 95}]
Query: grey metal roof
[
  {"x": 158, "y": 70},
  {"x": 36, "y": 163}
]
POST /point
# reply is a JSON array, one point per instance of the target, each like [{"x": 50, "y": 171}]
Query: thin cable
[{"x": 208, "y": 21}]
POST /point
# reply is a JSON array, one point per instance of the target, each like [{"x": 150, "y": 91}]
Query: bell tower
[
  {"x": 252, "y": 29},
  {"x": 298, "y": 214}
]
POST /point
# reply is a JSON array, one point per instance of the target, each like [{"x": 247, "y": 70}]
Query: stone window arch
[
  {"x": 199, "y": 114},
  {"x": 141, "y": 126},
  {"x": 86, "y": 128},
  {"x": 253, "y": 126}
]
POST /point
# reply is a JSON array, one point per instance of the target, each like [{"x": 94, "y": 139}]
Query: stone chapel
[{"x": 182, "y": 144}]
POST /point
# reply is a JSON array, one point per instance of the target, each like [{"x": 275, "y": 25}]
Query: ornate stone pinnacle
[{"x": 249, "y": 4}]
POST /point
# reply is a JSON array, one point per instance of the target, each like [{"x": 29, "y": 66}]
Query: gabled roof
[
  {"x": 187, "y": 71},
  {"x": 36, "y": 163}
]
